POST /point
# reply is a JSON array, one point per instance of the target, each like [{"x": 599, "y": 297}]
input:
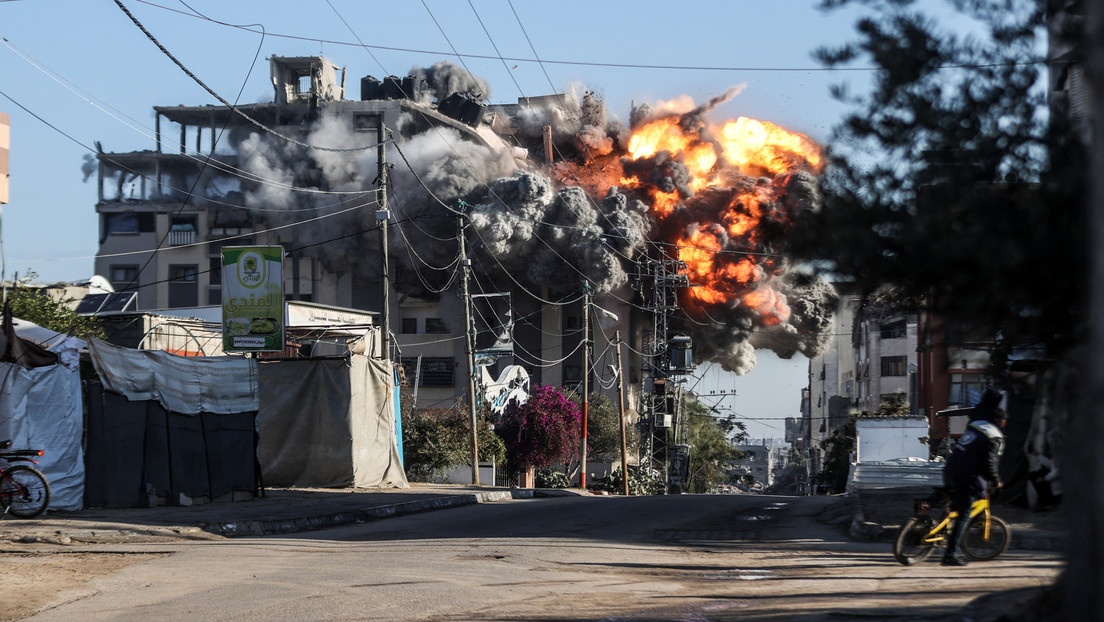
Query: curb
[
  {"x": 1038, "y": 540},
  {"x": 57, "y": 532},
  {"x": 263, "y": 527}
]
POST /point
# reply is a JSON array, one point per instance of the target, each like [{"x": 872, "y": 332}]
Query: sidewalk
[{"x": 280, "y": 511}]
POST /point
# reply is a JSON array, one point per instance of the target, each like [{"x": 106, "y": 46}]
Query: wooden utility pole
[
  {"x": 621, "y": 399},
  {"x": 383, "y": 217},
  {"x": 586, "y": 384},
  {"x": 465, "y": 264}
]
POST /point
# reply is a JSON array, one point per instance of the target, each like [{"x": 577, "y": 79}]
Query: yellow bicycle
[{"x": 986, "y": 535}]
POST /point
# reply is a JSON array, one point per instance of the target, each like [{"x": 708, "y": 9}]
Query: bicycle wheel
[
  {"x": 910, "y": 548},
  {"x": 24, "y": 490},
  {"x": 977, "y": 547}
]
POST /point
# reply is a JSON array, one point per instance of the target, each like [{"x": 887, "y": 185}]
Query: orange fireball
[
  {"x": 749, "y": 143},
  {"x": 730, "y": 168}
]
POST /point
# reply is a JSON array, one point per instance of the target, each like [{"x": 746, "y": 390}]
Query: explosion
[
  {"x": 719, "y": 198},
  {"x": 725, "y": 197},
  {"x": 731, "y": 193}
]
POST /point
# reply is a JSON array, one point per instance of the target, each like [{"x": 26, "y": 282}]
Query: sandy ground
[{"x": 33, "y": 577}]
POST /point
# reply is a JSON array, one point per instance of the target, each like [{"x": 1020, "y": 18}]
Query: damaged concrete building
[
  {"x": 301, "y": 172},
  {"x": 668, "y": 229}
]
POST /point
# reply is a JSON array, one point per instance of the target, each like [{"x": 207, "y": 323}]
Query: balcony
[{"x": 182, "y": 235}]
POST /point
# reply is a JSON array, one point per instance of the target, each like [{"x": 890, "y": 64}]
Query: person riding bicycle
[{"x": 972, "y": 467}]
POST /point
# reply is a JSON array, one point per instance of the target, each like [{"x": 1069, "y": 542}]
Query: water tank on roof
[
  {"x": 370, "y": 88},
  {"x": 463, "y": 108},
  {"x": 392, "y": 88},
  {"x": 415, "y": 88}
]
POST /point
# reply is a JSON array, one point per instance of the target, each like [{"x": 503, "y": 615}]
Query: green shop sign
[{"x": 252, "y": 298}]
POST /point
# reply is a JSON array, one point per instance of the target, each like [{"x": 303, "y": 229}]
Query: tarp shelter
[
  {"x": 319, "y": 422},
  {"x": 40, "y": 404},
  {"x": 169, "y": 429},
  {"x": 328, "y": 423}
]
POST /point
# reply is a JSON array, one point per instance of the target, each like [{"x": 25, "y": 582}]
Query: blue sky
[
  {"x": 91, "y": 75},
  {"x": 76, "y": 73}
]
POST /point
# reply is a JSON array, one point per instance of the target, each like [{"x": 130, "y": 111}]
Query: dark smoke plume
[{"x": 582, "y": 221}]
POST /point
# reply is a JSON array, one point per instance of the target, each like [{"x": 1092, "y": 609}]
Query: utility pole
[
  {"x": 383, "y": 216},
  {"x": 465, "y": 264},
  {"x": 5, "y": 147},
  {"x": 586, "y": 383},
  {"x": 621, "y": 399}
]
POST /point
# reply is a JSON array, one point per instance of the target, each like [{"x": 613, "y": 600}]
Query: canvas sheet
[
  {"x": 40, "y": 408},
  {"x": 186, "y": 385},
  {"x": 328, "y": 423}
]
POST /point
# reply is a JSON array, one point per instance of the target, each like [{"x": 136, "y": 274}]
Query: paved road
[{"x": 579, "y": 558}]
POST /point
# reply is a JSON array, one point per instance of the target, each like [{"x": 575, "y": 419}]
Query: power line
[
  {"x": 610, "y": 65},
  {"x": 223, "y": 101}
]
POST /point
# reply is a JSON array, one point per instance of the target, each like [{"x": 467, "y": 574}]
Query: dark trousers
[{"x": 961, "y": 500}]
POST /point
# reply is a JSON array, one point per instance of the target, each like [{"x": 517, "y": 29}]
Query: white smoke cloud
[{"x": 555, "y": 233}]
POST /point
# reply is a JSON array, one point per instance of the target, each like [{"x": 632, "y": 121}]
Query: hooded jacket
[{"x": 974, "y": 462}]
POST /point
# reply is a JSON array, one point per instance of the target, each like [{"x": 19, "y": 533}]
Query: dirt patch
[{"x": 35, "y": 578}]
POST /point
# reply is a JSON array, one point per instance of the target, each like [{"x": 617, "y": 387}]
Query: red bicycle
[{"x": 24, "y": 491}]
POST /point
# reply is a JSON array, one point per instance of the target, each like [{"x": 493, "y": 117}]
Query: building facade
[{"x": 220, "y": 176}]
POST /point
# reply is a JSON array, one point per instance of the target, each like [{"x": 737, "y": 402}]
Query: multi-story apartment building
[
  {"x": 832, "y": 381},
  {"x": 885, "y": 356},
  {"x": 872, "y": 355},
  {"x": 240, "y": 176}
]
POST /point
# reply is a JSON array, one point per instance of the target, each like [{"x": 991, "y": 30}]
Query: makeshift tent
[
  {"x": 319, "y": 422},
  {"x": 328, "y": 423},
  {"x": 169, "y": 429},
  {"x": 40, "y": 404}
]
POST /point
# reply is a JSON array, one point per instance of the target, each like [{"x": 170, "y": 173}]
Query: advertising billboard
[{"x": 252, "y": 298}]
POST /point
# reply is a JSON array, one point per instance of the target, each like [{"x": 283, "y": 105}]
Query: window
[
  {"x": 895, "y": 329},
  {"x": 410, "y": 326},
  {"x": 436, "y": 371},
  {"x": 124, "y": 277},
  {"x": 126, "y": 223},
  {"x": 214, "y": 272},
  {"x": 435, "y": 326},
  {"x": 183, "y": 286},
  {"x": 572, "y": 374},
  {"x": 573, "y": 322},
  {"x": 365, "y": 122},
  {"x": 894, "y": 365},
  {"x": 966, "y": 389},
  {"x": 214, "y": 295}
]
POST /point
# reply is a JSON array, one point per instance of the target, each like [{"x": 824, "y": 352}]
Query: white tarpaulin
[
  {"x": 186, "y": 385},
  {"x": 40, "y": 408}
]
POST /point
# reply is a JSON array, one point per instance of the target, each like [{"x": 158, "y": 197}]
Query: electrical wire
[
  {"x": 424, "y": 186},
  {"x": 250, "y": 234},
  {"x": 611, "y": 65},
  {"x": 145, "y": 131},
  {"x": 222, "y": 100}
]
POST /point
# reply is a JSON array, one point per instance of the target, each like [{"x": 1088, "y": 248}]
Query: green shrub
[
  {"x": 438, "y": 440},
  {"x": 552, "y": 478}
]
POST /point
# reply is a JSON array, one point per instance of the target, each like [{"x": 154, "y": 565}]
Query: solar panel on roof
[
  {"x": 90, "y": 304},
  {"x": 117, "y": 302},
  {"x": 98, "y": 304}
]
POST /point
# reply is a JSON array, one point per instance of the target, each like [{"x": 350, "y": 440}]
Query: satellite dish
[{"x": 99, "y": 285}]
